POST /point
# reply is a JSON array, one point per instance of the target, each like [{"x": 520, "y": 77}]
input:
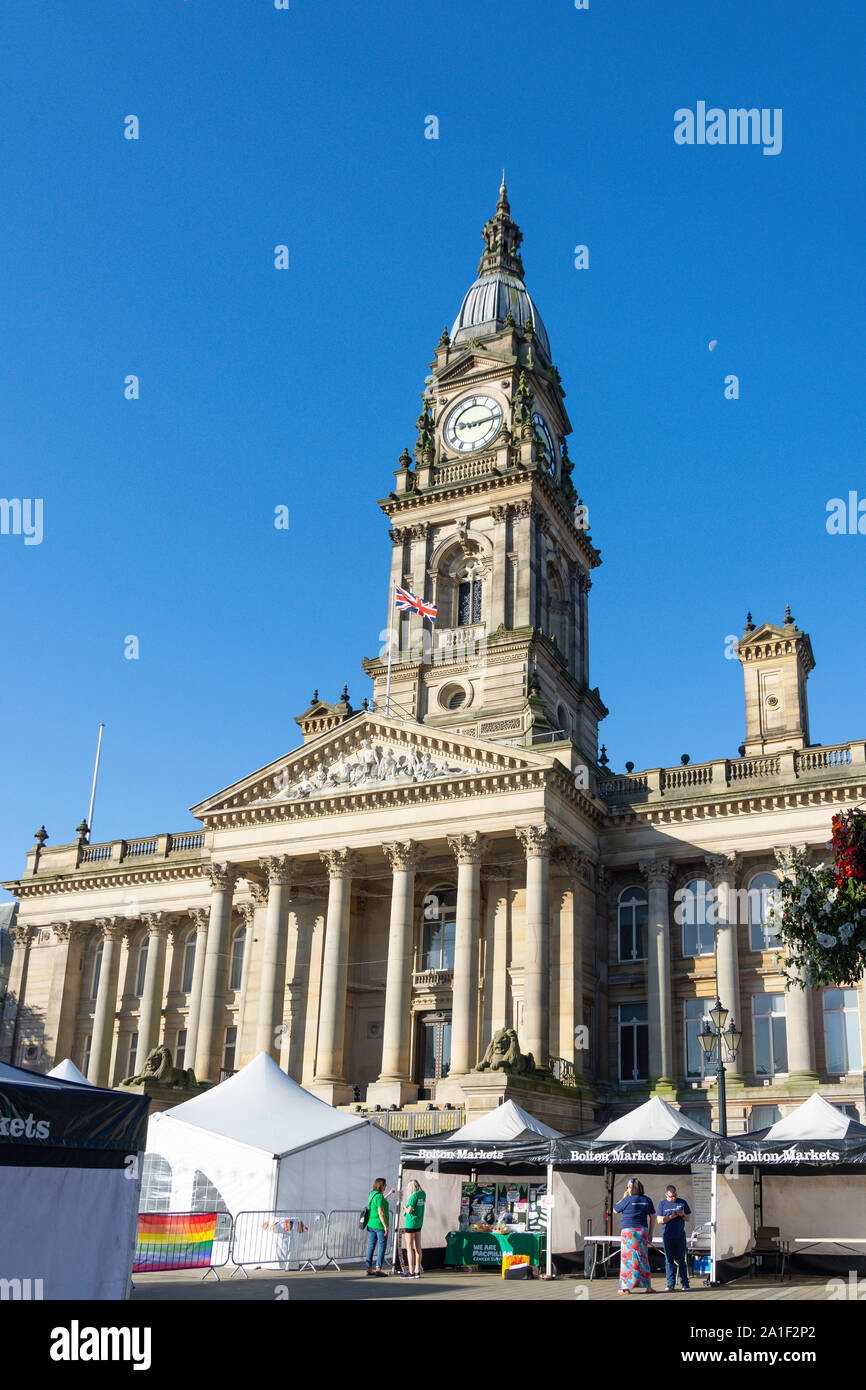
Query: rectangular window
[
  {"x": 693, "y": 1012},
  {"x": 180, "y": 1049},
  {"x": 842, "y": 1031},
  {"x": 632, "y": 926},
  {"x": 131, "y": 1055},
  {"x": 188, "y": 965},
  {"x": 633, "y": 1042},
  {"x": 229, "y": 1051},
  {"x": 762, "y": 1116},
  {"x": 85, "y": 1053},
  {"x": 770, "y": 1036}
]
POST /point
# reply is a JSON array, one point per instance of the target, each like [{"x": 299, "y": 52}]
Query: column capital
[
  {"x": 278, "y": 869},
  {"x": 340, "y": 863},
  {"x": 112, "y": 928},
  {"x": 259, "y": 890},
  {"x": 248, "y": 912},
  {"x": 573, "y": 862},
  {"x": 66, "y": 931},
  {"x": 500, "y": 513},
  {"x": 722, "y": 867},
  {"x": 785, "y": 856},
  {"x": 535, "y": 840},
  {"x": 157, "y": 923},
  {"x": 223, "y": 877},
  {"x": 469, "y": 848},
  {"x": 199, "y": 916},
  {"x": 658, "y": 872},
  {"x": 22, "y": 933},
  {"x": 403, "y": 854}
]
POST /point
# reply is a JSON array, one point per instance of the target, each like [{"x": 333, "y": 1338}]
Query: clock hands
[{"x": 473, "y": 424}]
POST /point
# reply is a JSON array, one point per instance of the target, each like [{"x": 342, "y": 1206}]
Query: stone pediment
[
  {"x": 368, "y": 754},
  {"x": 470, "y": 364}
]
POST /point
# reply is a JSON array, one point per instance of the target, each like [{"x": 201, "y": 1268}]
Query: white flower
[
  {"x": 832, "y": 895},
  {"x": 846, "y": 931},
  {"x": 824, "y": 940},
  {"x": 804, "y": 897}
]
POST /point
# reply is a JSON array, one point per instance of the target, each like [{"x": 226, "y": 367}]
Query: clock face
[
  {"x": 473, "y": 423},
  {"x": 546, "y": 442}
]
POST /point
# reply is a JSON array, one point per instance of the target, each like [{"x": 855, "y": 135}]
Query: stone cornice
[
  {"x": 73, "y": 882},
  {"x": 727, "y": 806}
]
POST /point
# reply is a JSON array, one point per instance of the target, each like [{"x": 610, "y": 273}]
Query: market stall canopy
[
  {"x": 654, "y": 1134},
  {"x": 507, "y": 1134},
  {"x": 39, "y": 1114},
  {"x": 68, "y": 1071},
  {"x": 816, "y": 1134},
  {"x": 263, "y": 1143},
  {"x": 263, "y": 1107}
]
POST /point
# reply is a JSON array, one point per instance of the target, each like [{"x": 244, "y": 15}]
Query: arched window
[
  {"x": 631, "y": 919},
  {"x": 695, "y": 906},
  {"x": 188, "y": 962},
  {"x": 97, "y": 967},
  {"x": 469, "y": 595},
  {"x": 440, "y": 915},
  {"x": 236, "y": 968},
  {"x": 556, "y": 610},
  {"x": 206, "y": 1197},
  {"x": 142, "y": 965},
  {"x": 761, "y": 887}
]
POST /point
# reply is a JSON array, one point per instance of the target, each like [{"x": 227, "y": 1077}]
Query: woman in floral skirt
[{"x": 636, "y": 1210}]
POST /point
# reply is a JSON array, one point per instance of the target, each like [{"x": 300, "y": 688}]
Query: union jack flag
[{"x": 406, "y": 601}]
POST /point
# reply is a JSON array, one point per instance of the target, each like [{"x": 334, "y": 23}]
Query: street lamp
[{"x": 720, "y": 1045}]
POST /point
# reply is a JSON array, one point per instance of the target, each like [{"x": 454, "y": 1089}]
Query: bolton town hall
[{"x": 384, "y": 907}]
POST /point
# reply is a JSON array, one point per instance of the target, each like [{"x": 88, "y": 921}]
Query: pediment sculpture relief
[{"x": 370, "y": 768}]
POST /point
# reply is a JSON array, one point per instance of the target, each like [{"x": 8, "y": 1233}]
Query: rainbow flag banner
[{"x": 174, "y": 1240}]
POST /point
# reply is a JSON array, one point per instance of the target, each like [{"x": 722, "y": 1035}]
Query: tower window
[{"x": 469, "y": 596}]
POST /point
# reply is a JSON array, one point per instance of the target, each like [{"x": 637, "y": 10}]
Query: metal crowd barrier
[
  {"x": 283, "y": 1239},
  {"x": 183, "y": 1240},
  {"x": 345, "y": 1239}
]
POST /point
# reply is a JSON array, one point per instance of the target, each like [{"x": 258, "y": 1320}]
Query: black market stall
[
  {"x": 69, "y": 1186},
  {"x": 809, "y": 1183},
  {"x": 657, "y": 1144},
  {"x": 487, "y": 1187}
]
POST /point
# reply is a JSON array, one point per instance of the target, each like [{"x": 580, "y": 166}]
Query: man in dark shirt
[{"x": 672, "y": 1214}]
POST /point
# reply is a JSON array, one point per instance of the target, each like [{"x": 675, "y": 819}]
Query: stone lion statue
[
  {"x": 159, "y": 1068},
  {"x": 503, "y": 1054}
]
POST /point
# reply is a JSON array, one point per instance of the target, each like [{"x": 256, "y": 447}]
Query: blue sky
[{"x": 262, "y": 387}]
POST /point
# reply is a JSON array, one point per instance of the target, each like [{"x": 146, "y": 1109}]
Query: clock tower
[{"x": 487, "y": 526}]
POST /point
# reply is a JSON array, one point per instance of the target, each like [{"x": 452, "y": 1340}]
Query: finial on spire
[
  {"x": 503, "y": 237},
  {"x": 750, "y": 626},
  {"x": 788, "y": 618}
]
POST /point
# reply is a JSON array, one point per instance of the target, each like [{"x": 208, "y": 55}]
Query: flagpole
[
  {"x": 390, "y": 648},
  {"x": 95, "y": 775}
]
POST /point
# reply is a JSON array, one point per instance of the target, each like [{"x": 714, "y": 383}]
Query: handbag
[{"x": 364, "y": 1218}]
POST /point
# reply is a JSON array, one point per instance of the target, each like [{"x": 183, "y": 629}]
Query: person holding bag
[{"x": 377, "y": 1226}]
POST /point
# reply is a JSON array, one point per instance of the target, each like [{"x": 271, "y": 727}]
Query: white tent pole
[{"x": 549, "y": 1242}]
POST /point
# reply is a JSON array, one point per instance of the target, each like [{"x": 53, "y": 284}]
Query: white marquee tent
[
  {"x": 265, "y": 1144},
  {"x": 507, "y": 1122},
  {"x": 68, "y": 1071}
]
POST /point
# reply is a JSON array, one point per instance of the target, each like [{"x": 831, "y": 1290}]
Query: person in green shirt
[
  {"x": 414, "y": 1220},
  {"x": 377, "y": 1226}
]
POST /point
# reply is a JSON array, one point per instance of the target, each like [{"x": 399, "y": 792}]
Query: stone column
[
  {"x": 535, "y": 840},
  {"x": 723, "y": 874},
  {"x": 798, "y": 1002},
  {"x": 150, "y": 1009},
  {"x": 248, "y": 912},
  {"x": 329, "y": 1082},
  {"x": 65, "y": 990},
  {"x": 468, "y": 850},
  {"x": 273, "y": 988},
  {"x": 394, "y": 1086},
  {"x": 661, "y": 1056},
  {"x": 584, "y": 585},
  {"x": 200, "y": 917},
  {"x": 22, "y": 935},
  {"x": 111, "y": 929},
  {"x": 392, "y": 627},
  {"x": 526, "y": 575},
  {"x": 499, "y": 575},
  {"x": 210, "y": 1039},
  {"x": 497, "y": 934},
  {"x": 417, "y": 626},
  {"x": 574, "y": 867}
]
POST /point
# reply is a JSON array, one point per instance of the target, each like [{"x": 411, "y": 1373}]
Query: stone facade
[{"x": 453, "y": 858}]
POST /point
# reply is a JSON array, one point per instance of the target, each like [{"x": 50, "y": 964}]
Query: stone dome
[{"x": 488, "y": 301}]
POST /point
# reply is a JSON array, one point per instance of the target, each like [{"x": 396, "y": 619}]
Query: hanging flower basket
[{"x": 818, "y": 914}]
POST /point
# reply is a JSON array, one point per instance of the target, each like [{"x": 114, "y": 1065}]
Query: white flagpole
[
  {"x": 390, "y": 647},
  {"x": 93, "y": 787}
]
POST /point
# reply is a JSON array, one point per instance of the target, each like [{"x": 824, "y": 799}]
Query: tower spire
[{"x": 502, "y": 237}]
